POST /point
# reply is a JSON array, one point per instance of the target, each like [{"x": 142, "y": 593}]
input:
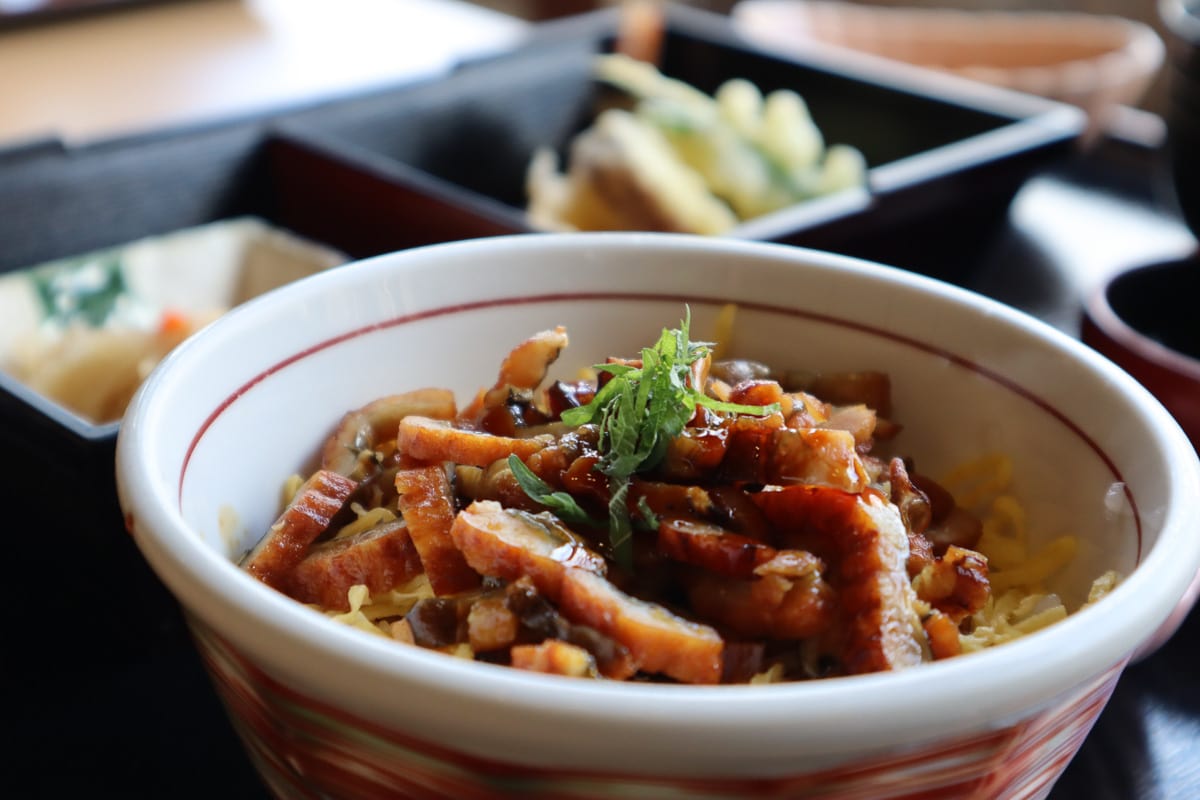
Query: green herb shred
[{"x": 638, "y": 411}]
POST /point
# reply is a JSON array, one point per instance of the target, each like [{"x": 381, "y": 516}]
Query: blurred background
[
  {"x": 78, "y": 69},
  {"x": 1142, "y": 11}
]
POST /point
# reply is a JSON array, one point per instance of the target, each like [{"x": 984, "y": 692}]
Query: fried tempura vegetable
[
  {"x": 681, "y": 160},
  {"x": 624, "y": 175}
]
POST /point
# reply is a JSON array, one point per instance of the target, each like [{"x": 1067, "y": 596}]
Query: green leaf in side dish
[{"x": 87, "y": 291}]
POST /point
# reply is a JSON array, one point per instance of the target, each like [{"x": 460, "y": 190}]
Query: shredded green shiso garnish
[{"x": 638, "y": 411}]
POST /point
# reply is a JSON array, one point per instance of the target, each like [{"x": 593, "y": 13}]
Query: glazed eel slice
[{"x": 307, "y": 516}]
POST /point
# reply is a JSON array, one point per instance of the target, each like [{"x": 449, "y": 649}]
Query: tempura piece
[{"x": 681, "y": 160}]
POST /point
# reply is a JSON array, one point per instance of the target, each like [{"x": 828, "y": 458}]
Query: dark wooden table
[{"x": 104, "y": 696}]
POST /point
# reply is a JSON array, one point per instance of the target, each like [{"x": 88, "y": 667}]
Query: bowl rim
[{"x": 1001, "y": 682}]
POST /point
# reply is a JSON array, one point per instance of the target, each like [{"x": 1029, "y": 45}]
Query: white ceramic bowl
[{"x": 325, "y": 709}]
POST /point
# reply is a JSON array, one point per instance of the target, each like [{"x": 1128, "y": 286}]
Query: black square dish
[{"x": 464, "y": 143}]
